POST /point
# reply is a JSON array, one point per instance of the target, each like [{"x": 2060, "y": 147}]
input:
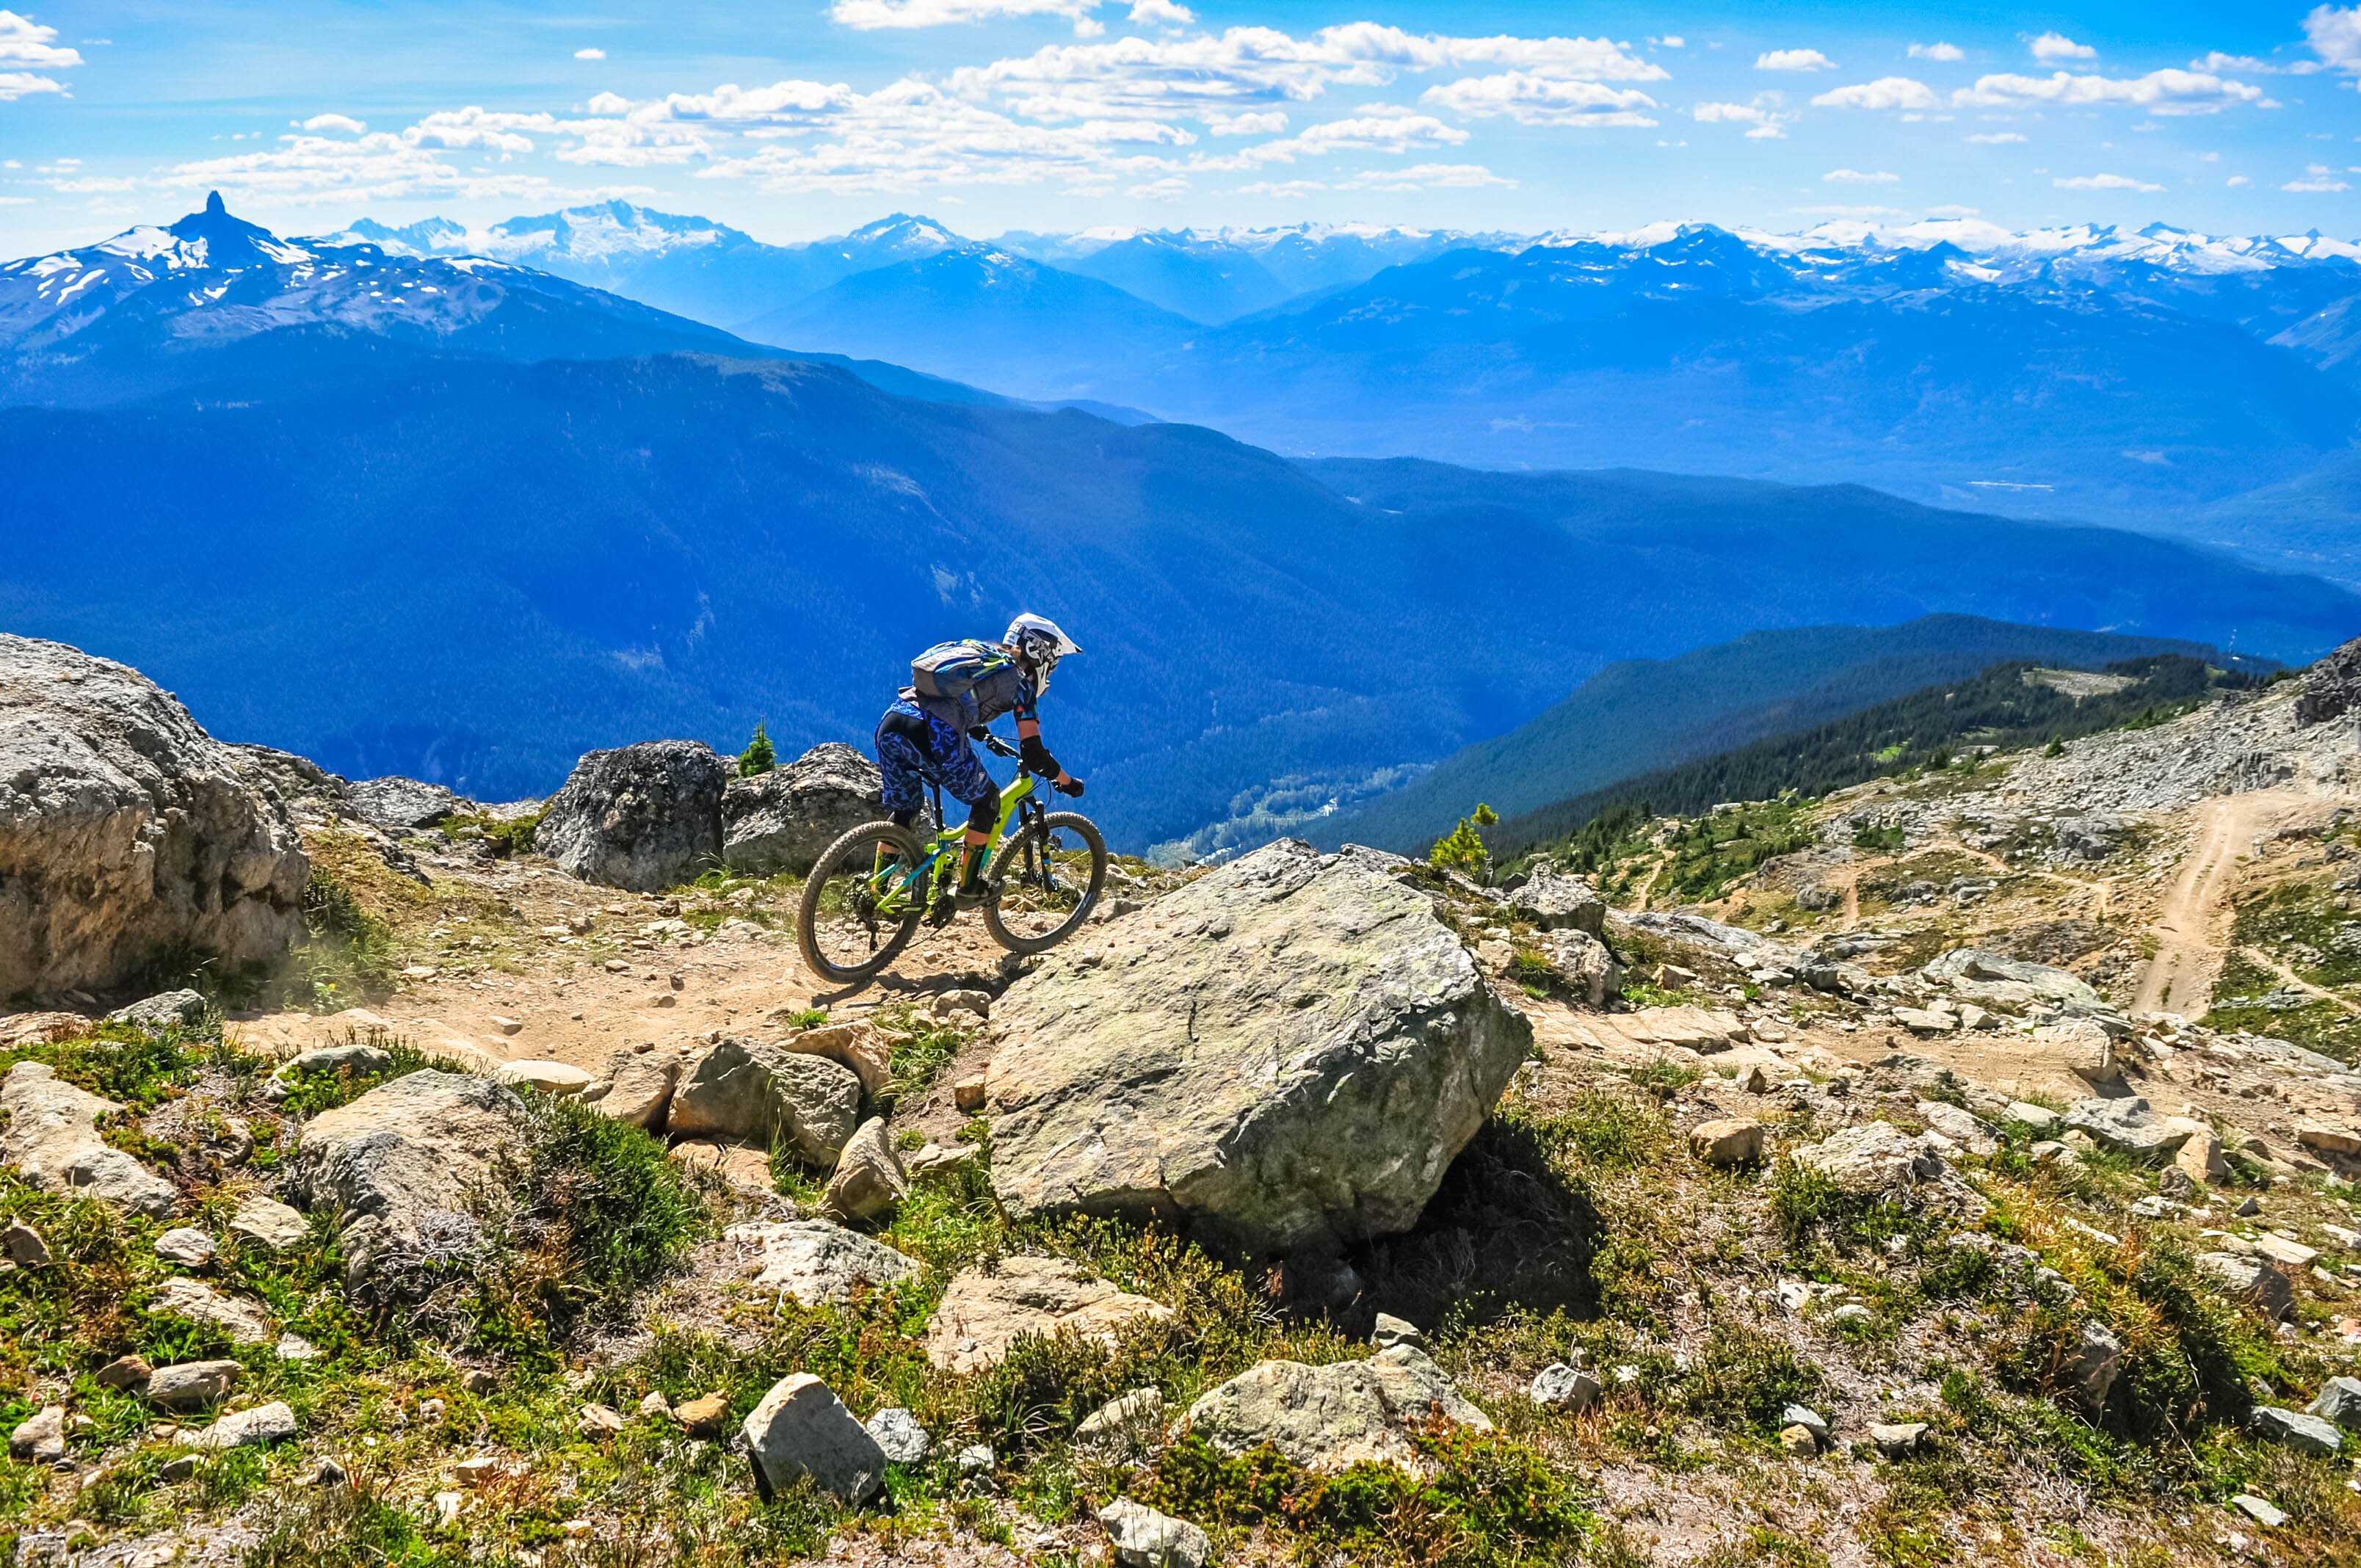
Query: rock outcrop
[
  {"x": 1286, "y": 1054},
  {"x": 1555, "y": 901},
  {"x": 645, "y": 816},
  {"x": 397, "y": 803},
  {"x": 781, "y": 820},
  {"x": 126, "y": 830},
  {"x": 1328, "y": 1417},
  {"x": 753, "y": 1091},
  {"x": 404, "y": 1160},
  {"x": 50, "y": 1139},
  {"x": 818, "y": 1264},
  {"x": 2331, "y": 688}
]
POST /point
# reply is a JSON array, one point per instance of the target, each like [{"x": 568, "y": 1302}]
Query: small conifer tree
[
  {"x": 758, "y": 757},
  {"x": 1462, "y": 850}
]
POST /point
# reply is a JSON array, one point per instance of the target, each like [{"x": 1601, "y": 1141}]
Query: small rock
[
  {"x": 267, "y": 1223},
  {"x": 295, "y": 1347},
  {"x": 653, "y": 1405},
  {"x": 2248, "y": 1207},
  {"x": 1392, "y": 1330},
  {"x": 951, "y": 1004},
  {"x": 506, "y": 1025},
  {"x": 703, "y": 1416},
  {"x": 1807, "y": 1418},
  {"x": 1731, "y": 1142},
  {"x": 329, "y": 1474},
  {"x": 23, "y": 1246},
  {"x": 869, "y": 1178},
  {"x": 1564, "y": 1387},
  {"x": 899, "y": 1436},
  {"x": 170, "y": 1010},
  {"x": 191, "y": 1385},
  {"x": 976, "y": 1459},
  {"x": 1798, "y": 1441},
  {"x": 1852, "y": 1312},
  {"x": 1754, "y": 1081},
  {"x": 177, "y": 1468},
  {"x": 1899, "y": 1439},
  {"x": 967, "y": 1094},
  {"x": 244, "y": 1322},
  {"x": 549, "y": 1077},
  {"x": 479, "y": 1381},
  {"x": 1143, "y": 1538},
  {"x": 2257, "y": 1509},
  {"x": 2339, "y": 1401},
  {"x": 183, "y": 1245},
  {"x": 935, "y": 1160},
  {"x": 2200, "y": 1159},
  {"x": 2039, "y": 1120},
  {"x": 598, "y": 1422},
  {"x": 800, "y": 1428},
  {"x": 41, "y": 1439},
  {"x": 475, "y": 1471},
  {"x": 1124, "y": 1427},
  {"x": 984, "y": 1311},
  {"x": 273, "y": 1422},
  {"x": 1969, "y": 1131},
  {"x": 2098, "y": 1356},
  {"x": 2294, "y": 1429},
  {"x": 2329, "y": 1140},
  {"x": 129, "y": 1373}
]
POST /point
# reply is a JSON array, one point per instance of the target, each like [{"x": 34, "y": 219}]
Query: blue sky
[{"x": 801, "y": 118}]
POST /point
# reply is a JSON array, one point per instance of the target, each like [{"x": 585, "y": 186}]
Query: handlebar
[{"x": 996, "y": 746}]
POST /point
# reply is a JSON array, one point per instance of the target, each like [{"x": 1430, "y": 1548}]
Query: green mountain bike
[{"x": 869, "y": 891}]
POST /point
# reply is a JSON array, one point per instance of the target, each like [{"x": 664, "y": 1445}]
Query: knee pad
[{"x": 984, "y": 814}]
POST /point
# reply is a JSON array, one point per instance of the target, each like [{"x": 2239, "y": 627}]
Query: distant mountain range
[
  {"x": 460, "y": 520},
  {"x": 2050, "y": 373},
  {"x": 1643, "y": 715}
]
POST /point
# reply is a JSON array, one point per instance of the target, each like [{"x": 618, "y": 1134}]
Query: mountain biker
[{"x": 924, "y": 737}]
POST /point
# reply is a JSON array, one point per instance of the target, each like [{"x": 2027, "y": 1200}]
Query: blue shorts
[{"x": 944, "y": 755}]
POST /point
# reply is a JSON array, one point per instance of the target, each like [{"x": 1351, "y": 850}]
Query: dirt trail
[{"x": 2192, "y": 920}]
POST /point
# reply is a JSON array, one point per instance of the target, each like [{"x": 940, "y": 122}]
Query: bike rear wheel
[
  {"x": 1047, "y": 880},
  {"x": 857, "y": 914}
]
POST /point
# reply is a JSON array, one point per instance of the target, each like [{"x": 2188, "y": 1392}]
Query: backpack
[{"x": 948, "y": 670}]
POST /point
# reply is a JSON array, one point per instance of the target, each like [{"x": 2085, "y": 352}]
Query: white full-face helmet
[{"x": 1041, "y": 640}]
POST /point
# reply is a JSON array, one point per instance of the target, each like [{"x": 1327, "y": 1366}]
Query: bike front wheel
[
  {"x": 861, "y": 902},
  {"x": 1047, "y": 881}
]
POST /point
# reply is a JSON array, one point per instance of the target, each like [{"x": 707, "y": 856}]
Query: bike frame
[{"x": 892, "y": 891}]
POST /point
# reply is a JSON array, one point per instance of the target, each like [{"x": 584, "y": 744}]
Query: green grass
[{"x": 923, "y": 1046}]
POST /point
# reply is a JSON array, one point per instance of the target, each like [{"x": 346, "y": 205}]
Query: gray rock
[
  {"x": 352, "y": 1056},
  {"x": 297, "y": 783},
  {"x": 2129, "y": 1128},
  {"x": 645, "y": 816},
  {"x": 2330, "y": 687},
  {"x": 1969, "y": 1131},
  {"x": 269, "y": 1224},
  {"x": 1125, "y": 1428},
  {"x": 191, "y": 1385},
  {"x": 1286, "y": 1053},
  {"x": 753, "y": 1091},
  {"x": 1995, "y": 979},
  {"x": 1564, "y": 1387},
  {"x": 869, "y": 1178},
  {"x": 402, "y": 1159},
  {"x": 2339, "y": 1401},
  {"x": 2098, "y": 1356},
  {"x": 899, "y": 1436},
  {"x": 126, "y": 830},
  {"x": 2259, "y": 1511},
  {"x": 40, "y": 1439},
  {"x": 1810, "y": 1420},
  {"x": 781, "y": 820},
  {"x": 1557, "y": 902},
  {"x": 1392, "y": 1330},
  {"x": 1899, "y": 1438},
  {"x": 244, "y": 1322},
  {"x": 1142, "y": 1538},
  {"x": 2294, "y": 1429},
  {"x": 801, "y": 1429},
  {"x": 400, "y": 804},
  {"x": 273, "y": 1422},
  {"x": 985, "y": 1310},
  {"x": 186, "y": 1245},
  {"x": 636, "y": 1087},
  {"x": 1328, "y": 1417},
  {"x": 976, "y": 1460},
  {"x": 2249, "y": 1279},
  {"x": 50, "y": 1137},
  {"x": 818, "y": 1264},
  {"x": 25, "y": 1246},
  {"x": 1583, "y": 964},
  {"x": 1876, "y": 1157},
  {"x": 166, "y": 1010}
]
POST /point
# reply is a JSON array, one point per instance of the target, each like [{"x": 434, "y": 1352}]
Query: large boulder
[
  {"x": 755, "y": 1093},
  {"x": 1331, "y": 1417},
  {"x": 126, "y": 831},
  {"x": 2129, "y": 1128},
  {"x": 802, "y": 1429},
  {"x": 397, "y": 803},
  {"x": 645, "y": 816},
  {"x": 1286, "y": 1054},
  {"x": 781, "y": 820},
  {"x": 405, "y": 1160},
  {"x": 1555, "y": 901},
  {"x": 2331, "y": 688},
  {"x": 1995, "y": 979},
  {"x": 50, "y": 1139}
]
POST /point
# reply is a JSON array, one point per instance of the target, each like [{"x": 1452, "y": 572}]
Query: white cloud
[
  {"x": 1289, "y": 188},
  {"x": 1729, "y": 114},
  {"x": 1942, "y": 51},
  {"x": 378, "y": 167},
  {"x": 1855, "y": 177},
  {"x": 1423, "y": 177},
  {"x": 2058, "y": 46},
  {"x": 2334, "y": 37},
  {"x": 1160, "y": 13},
  {"x": 2103, "y": 182},
  {"x": 589, "y": 54},
  {"x": 1255, "y": 123},
  {"x": 1841, "y": 211},
  {"x": 1670, "y": 40},
  {"x": 24, "y": 41},
  {"x": 16, "y": 84},
  {"x": 1766, "y": 133},
  {"x": 2160, "y": 92},
  {"x": 1376, "y": 128},
  {"x": 869, "y": 15},
  {"x": 1164, "y": 190},
  {"x": 1531, "y": 100},
  {"x": 2237, "y": 180},
  {"x": 1885, "y": 92},
  {"x": 334, "y": 123},
  {"x": 1794, "y": 60},
  {"x": 2318, "y": 179},
  {"x": 1994, "y": 138}
]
